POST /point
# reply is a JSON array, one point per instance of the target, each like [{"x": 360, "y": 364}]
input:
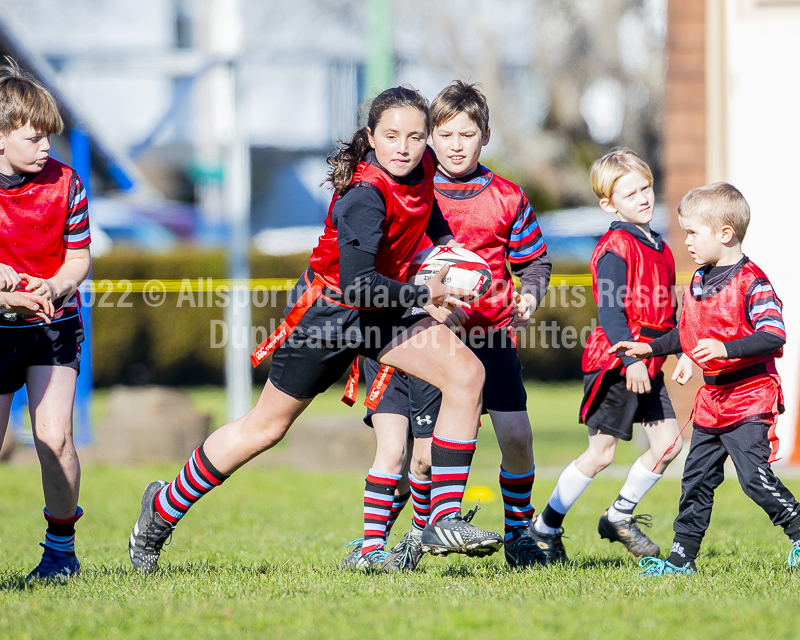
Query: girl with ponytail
[{"x": 354, "y": 300}]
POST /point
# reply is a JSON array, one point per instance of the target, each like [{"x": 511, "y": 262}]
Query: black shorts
[
  {"x": 503, "y": 389},
  {"x": 56, "y": 344},
  {"x": 327, "y": 339},
  {"x": 408, "y": 396},
  {"x": 616, "y": 409}
]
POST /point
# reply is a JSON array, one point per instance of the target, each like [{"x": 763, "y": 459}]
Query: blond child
[{"x": 633, "y": 277}]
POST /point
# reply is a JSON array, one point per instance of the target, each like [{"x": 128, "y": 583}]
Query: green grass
[{"x": 258, "y": 558}]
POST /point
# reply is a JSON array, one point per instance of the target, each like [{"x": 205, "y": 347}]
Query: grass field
[{"x": 258, "y": 558}]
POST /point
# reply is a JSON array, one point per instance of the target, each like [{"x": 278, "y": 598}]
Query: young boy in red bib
[
  {"x": 633, "y": 279},
  {"x": 731, "y": 325},
  {"x": 44, "y": 256}
]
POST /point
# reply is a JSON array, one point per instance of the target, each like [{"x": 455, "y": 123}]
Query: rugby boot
[
  {"x": 406, "y": 554},
  {"x": 150, "y": 532},
  {"x": 352, "y": 557},
  {"x": 55, "y": 565},
  {"x": 454, "y": 534},
  {"x": 550, "y": 543},
  {"x": 793, "y": 560},
  {"x": 658, "y": 568},
  {"x": 627, "y": 532},
  {"x": 372, "y": 560},
  {"x": 522, "y": 552}
]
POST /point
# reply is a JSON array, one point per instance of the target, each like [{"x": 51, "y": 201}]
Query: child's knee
[
  {"x": 600, "y": 457},
  {"x": 671, "y": 454},
  {"x": 515, "y": 434},
  {"x": 421, "y": 468},
  {"x": 54, "y": 433},
  {"x": 467, "y": 378}
]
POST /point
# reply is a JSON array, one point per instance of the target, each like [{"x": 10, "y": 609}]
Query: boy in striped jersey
[
  {"x": 44, "y": 256},
  {"x": 731, "y": 325},
  {"x": 492, "y": 217}
]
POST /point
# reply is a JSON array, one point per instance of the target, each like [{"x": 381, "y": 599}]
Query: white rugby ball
[{"x": 468, "y": 270}]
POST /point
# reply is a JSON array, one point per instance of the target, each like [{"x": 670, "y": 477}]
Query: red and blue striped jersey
[
  {"x": 493, "y": 218},
  {"x": 763, "y": 308}
]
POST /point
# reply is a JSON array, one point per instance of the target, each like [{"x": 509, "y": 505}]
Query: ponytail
[{"x": 343, "y": 164}]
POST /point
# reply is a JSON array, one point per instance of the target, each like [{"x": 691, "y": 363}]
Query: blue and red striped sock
[
  {"x": 195, "y": 480},
  {"x": 516, "y": 490},
  {"x": 378, "y": 499},
  {"x": 450, "y": 463},
  {"x": 397, "y": 506},
  {"x": 420, "y": 500},
  {"x": 60, "y": 534}
]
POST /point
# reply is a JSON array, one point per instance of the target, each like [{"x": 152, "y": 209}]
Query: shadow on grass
[{"x": 601, "y": 563}]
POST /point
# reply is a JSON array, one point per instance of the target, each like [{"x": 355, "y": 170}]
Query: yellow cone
[{"x": 484, "y": 494}]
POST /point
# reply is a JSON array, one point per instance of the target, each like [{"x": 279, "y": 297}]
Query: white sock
[
  {"x": 639, "y": 481},
  {"x": 571, "y": 484}
]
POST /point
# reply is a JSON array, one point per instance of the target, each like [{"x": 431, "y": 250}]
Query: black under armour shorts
[{"x": 408, "y": 396}]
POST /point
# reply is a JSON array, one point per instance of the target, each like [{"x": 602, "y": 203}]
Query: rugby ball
[{"x": 468, "y": 270}]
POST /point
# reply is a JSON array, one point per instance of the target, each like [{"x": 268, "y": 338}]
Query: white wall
[{"x": 762, "y": 87}]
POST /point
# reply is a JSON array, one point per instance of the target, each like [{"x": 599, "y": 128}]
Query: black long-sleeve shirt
[{"x": 359, "y": 216}]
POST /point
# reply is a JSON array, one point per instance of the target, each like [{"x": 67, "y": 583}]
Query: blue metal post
[{"x": 82, "y": 163}]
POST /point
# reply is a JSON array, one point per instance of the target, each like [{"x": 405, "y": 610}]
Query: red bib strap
[
  {"x": 378, "y": 387},
  {"x": 351, "y": 388},
  {"x": 284, "y": 330}
]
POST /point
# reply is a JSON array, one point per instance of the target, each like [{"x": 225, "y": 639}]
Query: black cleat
[
  {"x": 351, "y": 559},
  {"x": 549, "y": 543},
  {"x": 627, "y": 532},
  {"x": 406, "y": 554},
  {"x": 149, "y": 533},
  {"x": 454, "y": 534},
  {"x": 522, "y": 552}
]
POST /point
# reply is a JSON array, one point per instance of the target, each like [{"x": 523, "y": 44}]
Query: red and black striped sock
[
  {"x": 378, "y": 499},
  {"x": 420, "y": 500},
  {"x": 516, "y": 491},
  {"x": 450, "y": 463},
  {"x": 397, "y": 506},
  {"x": 195, "y": 480}
]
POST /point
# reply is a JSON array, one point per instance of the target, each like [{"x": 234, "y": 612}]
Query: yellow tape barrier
[{"x": 279, "y": 284}]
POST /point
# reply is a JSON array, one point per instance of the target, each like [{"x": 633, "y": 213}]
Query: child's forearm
[
  {"x": 71, "y": 274},
  {"x": 534, "y": 277},
  {"x": 760, "y": 343},
  {"x": 667, "y": 344}
]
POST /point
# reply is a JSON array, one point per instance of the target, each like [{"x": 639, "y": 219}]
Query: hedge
[{"x": 171, "y": 344}]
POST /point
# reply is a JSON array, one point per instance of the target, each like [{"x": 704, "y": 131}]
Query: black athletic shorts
[
  {"x": 616, "y": 408},
  {"x": 408, "y": 396},
  {"x": 56, "y": 344},
  {"x": 327, "y": 339},
  {"x": 503, "y": 389}
]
